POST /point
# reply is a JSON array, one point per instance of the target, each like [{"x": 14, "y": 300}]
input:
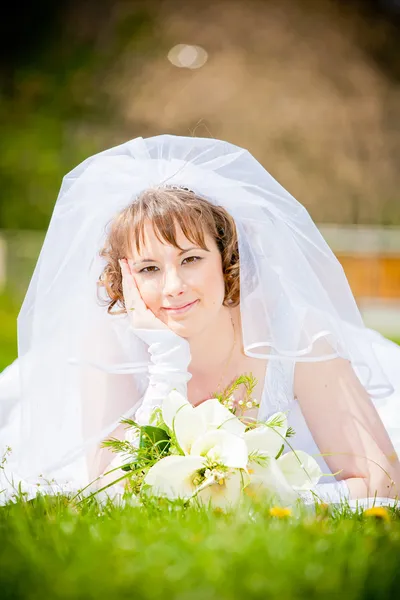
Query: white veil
[{"x": 82, "y": 369}]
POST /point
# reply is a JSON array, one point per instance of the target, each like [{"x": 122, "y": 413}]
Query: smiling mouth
[{"x": 181, "y": 309}]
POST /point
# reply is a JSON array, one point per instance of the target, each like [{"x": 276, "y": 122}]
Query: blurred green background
[{"x": 310, "y": 87}]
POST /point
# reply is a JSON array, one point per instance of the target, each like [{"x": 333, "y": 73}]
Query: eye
[
  {"x": 192, "y": 259},
  {"x": 151, "y": 269}
]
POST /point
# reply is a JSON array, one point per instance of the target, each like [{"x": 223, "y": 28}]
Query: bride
[{"x": 176, "y": 262}]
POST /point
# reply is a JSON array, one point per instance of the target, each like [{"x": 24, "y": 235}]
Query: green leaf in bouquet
[
  {"x": 154, "y": 438},
  {"x": 130, "y": 422},
  {"x": 156, "y": 419},
  {"x": 280, "y": 452},
  {"x": 128, "y": 467},
  {"x": 290, "y": 432}
]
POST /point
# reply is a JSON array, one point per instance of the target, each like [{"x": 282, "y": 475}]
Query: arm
[
  {"x": 344, "y": 421},
  {"x": 168, "y": 368},
  {"x": 106, "y": 397},
  {"x": 169, "y": 357}
]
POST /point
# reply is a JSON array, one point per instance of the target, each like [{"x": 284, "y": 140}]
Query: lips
[{"x": 180, "y": 309}]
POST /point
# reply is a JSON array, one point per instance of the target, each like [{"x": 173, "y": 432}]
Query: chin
[{"x": 186, "y": 328}]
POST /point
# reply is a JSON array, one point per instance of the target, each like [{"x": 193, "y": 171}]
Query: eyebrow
[{"x": 151, "y": 260}]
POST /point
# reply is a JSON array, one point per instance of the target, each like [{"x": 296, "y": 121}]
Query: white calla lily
[
  {"x": 211, "y": 437},
  {"x": 268, "y": 478},
  {"x": 224, "y": 493},
  {"x": 302, "y": 472},
  {"x": 170, "y": 406},
  {"x": 173, "y": 476},
  {"x": 188, "y": 426},
  {"x": 189, "y": 422},
  {"x": 218, "y": 417},
  {"x": 264, "y": 440},
  {"x": 222, "y": 447}
]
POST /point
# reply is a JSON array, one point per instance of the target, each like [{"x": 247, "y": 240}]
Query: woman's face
[{"x": 185, "y": 289}]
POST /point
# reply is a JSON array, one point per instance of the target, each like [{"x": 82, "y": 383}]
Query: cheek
[
  {"x": 150, "y": 293},
  {"x": 213, "y": 283}
]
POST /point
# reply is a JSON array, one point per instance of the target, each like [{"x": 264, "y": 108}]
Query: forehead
[{"x": 152, "y": 241}]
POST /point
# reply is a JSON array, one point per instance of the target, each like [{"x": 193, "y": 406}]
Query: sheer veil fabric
[{"x": 80, "y": 370}]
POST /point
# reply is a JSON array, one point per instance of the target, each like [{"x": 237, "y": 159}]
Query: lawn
[
  {"x": 8, "y": 329},
  {"x": 49, "y": 549}
]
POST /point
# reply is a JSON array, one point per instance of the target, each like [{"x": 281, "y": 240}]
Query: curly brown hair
[{"x": 165, "y": 208}]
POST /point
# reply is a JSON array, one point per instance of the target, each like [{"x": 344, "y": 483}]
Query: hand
[{"x": 139, "y": 315}]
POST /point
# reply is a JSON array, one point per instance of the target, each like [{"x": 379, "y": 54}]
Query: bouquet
[{"x": 209, "y": 455}]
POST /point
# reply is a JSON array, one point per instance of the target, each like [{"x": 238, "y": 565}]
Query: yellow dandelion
[
  {"x": 218, "y": 511},
  {"x": 380, "y": 512},
  {"x": 322, "y": 511},
  {"x": 278, "y": 511}
]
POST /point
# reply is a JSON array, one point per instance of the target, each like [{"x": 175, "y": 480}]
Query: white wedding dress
[{"x": 277, "y": 395}]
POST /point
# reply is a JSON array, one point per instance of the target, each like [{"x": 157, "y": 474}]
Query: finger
[
  {"x": 130, "y": 264},
  {"x": 125, "y": 268},
  {"x": 127, "y": 285},
  {"x": 126, "y": 273},
  {"x": 132, "y": 295}
]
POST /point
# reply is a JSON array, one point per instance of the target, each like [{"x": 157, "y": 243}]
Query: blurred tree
[
  {"x": 55, "y": 108},
  {"x": 309, "y": 86},
  {"x": 27, "y": 30}
]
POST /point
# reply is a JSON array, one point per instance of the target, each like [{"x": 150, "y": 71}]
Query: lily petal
[
  {"x": 172, "y": 476},
  {"x": 217, "y": 416},
  {"x": 223, "y": 496},
  {"x": 188, "y": 427},
  {"x": 269, "y": 479},
  {"x": 301, "y": 472},
  {"x": 264, "y": 440},
  {"x": 170, "y": 406},
  {"x": 222, "y": 447}
]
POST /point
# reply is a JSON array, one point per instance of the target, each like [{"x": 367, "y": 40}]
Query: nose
[{"x": 173, "y": 283}]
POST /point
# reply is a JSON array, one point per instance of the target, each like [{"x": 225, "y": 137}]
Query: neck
[{"x": 211, "y": 347}]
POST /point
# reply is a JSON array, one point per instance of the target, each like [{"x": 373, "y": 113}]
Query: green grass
[
  {"x": 50, "y": 550},
  {"x": 8, "y": 329}
]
